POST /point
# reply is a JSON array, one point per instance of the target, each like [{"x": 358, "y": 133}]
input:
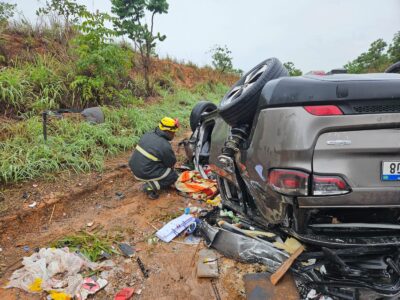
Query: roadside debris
[
  {"x": 126, "y": 250},
  {"x": 290, "y": 246},
  {"x": 242, "y": 248},
  {"x": 151, "y": 241},
  {"x": 174, "y": 228},
  {"x": 25, "y": 196},
  {"x": 215, "y": 202},
  {"x": 49, "y": 270},
  {"x": 192, "y": 210},
  {"x": 285, "y": 266},
  {"x": 142, "y": 268},
  {"x": 229, "y": 214},
  {"x": 350, "y": 273},
  {"x": 124, "y": 294},
  {"x": 33, "y": 204},
  {"x": 207, "y": 265},
  {"x": 120, "y": 195},
  {"x": 91, "y": 286},
  {"x": 195, "y": 186}
]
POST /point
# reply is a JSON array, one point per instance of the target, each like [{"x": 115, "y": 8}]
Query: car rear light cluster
[
  {"x": 324, "y": 110},
  {"x": 289, "y": 182},
  {"x": 296, "y": 183},
  {"x": 329, "y": 185}
]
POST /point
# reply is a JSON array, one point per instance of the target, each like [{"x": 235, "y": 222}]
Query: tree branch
[{"x": 152, "y": 22}]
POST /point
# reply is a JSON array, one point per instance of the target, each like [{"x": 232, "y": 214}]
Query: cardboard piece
[{"x": 207, "y": 265}]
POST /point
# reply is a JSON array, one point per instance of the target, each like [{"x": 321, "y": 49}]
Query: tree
[
  {"x": 374, "y": 60},
  {"x": 131, "y": 21},
  {"x": 69, "y": 9},
  {"x": 222, "y": 61},
  {"x": 292, "y": 69},
  {"x": 100, "y": 65},
  {"x": 394, "y": 49},
  {"x": 7, "y": 11}
]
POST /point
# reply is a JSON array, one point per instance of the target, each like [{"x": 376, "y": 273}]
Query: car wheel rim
[{"x": 249, "y": 81}]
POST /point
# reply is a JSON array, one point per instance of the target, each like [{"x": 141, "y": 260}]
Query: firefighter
[{"x": 153, "y": 159}]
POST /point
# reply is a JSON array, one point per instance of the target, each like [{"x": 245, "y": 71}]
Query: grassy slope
[
  {"x": 40, "y": 71},
  {"x": 83, "y": 147}
]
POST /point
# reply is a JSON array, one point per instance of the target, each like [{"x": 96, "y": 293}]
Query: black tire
[
  {"x": 395, "y": 68},
  {"x": 240, "y": 109},
  {"x": 200, "y": 108}
]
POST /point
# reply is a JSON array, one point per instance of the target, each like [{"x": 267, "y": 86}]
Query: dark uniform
[{"x": 153, "y": 160}]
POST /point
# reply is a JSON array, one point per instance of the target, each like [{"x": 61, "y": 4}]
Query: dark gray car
[{"x": 317, "y": 156}]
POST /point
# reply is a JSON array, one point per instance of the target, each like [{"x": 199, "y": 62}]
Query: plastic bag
[{"x": 39, "y": 270}]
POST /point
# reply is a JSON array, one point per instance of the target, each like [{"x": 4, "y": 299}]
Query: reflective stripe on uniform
[
  {"x": 147, "y": 154},
  {"x": 166, "y": 173},
  {"x": 157, "y": 185}
]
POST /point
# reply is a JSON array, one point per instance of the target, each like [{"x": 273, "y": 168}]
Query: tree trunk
[
  {"x": 147, "y": 71},
  {"x": 146, "y": 68}
]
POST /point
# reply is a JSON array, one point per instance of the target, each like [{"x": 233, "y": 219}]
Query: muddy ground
[{"x": 66, "y": 203}]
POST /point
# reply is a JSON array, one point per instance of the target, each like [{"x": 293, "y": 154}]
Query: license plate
[{"x": 390, "y": 170}]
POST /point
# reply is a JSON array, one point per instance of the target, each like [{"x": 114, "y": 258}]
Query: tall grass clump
[
  {"x": 14, "y": 88},
  {"x": 48, "y": 85}
]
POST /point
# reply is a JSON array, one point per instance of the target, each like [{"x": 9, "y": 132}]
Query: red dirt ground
[{"x": 79, "y": 199}]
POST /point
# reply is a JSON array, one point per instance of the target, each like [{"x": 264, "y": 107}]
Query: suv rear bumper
[
  {"x": 359, "y": 197},
  {"x": 342, "y": 241}
]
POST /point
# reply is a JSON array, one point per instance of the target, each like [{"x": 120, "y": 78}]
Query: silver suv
[{"x": 316, "y": 156}]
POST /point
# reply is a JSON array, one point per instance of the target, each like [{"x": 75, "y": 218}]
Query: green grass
[
  {"x": 92, "y": 245},
  {"x": 13, "y": 88},
  {"x": 82, "y": 147}
]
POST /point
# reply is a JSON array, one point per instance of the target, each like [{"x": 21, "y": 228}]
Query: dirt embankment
[{"x": 20, "y": 46}]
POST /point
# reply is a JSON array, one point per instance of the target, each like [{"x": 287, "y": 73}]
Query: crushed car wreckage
[
  {"x": 311, "y": 157},
  {"x": 344, "y": 273}
]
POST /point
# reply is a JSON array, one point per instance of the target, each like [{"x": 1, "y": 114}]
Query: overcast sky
[{"x": 314, "y": 34}]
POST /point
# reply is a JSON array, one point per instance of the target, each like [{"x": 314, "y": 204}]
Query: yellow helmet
[{"x": 169, "y": 124}]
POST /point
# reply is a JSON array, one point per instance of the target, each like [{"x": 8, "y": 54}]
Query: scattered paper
[{"x": 174, "y": 228}]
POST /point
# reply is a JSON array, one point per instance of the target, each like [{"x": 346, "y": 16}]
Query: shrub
[{"x": 101, "y": 66}]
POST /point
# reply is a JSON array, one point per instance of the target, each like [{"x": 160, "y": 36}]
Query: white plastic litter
[
  {"x": 51, "y": 270},
  {"x": 313, "y": 295},
  {"x": 174, "y": 228},
  {"x": 33, "y": 205}
]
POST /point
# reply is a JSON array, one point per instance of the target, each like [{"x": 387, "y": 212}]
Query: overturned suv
[{"x": 316, "y": 157}]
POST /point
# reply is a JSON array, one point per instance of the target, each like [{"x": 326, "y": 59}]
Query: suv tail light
[
  {"x": 329, "y": 185},
  {"x": 324, "y": 110},
  {"x": 289, "y": 182}
]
